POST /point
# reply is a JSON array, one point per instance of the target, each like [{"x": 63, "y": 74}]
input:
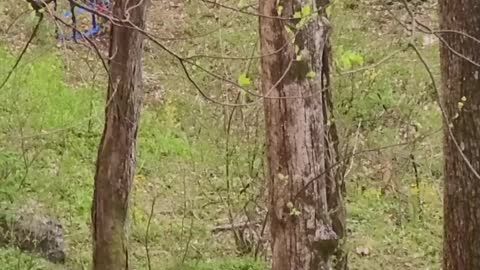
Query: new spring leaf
[{"x": 244, "y": 80}]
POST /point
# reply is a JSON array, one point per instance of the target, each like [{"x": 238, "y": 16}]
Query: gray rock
[{"x": 32, "y": 231}]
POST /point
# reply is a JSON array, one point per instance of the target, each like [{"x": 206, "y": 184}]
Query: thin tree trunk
[
  {"x": 116, "y": 154},
  {"x": 461, "y": 100},
  {"x": 305, "y": 191}
]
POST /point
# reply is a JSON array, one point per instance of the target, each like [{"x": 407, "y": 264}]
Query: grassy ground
[{"x": 200, "y": 168}]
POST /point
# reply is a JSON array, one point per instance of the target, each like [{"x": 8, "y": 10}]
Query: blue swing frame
[{"x": 92, "y": 31}]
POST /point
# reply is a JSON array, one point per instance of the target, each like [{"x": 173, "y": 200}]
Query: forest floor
[{"x": 197, "y": 169}]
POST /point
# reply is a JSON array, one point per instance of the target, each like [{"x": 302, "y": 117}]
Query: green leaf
[
  {"x": 282, "y": 177},
  {"x": 279, "y": 10},
  {"x": 306, "y": 11},
  {"x": 297, "y": 49},
  {"x": 328, "y": 11},
  {"x": 345, "y": 62},
  {"x": 244, "y": 80},
  {"x": 288, "y": 29},
  {"x": 349, "y": 59},
  {"x": 311, "y": 74},
  {"x": 297, "y": 15},
  {"x": 295, "y": 212},
  {"x": 356, "y": 59},
  {"x": 290, "y": 205}
]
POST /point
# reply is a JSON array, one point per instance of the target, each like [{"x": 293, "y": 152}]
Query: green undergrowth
[
  {"x": 224, "y": 264},
  {"x": 49, "y": 137},
  {"x": 388, "y": 232}
]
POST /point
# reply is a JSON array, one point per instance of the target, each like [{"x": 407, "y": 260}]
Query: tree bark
[
  {"x": 117, "y": 151},
  {"x": 306, "y": 209},
  {"x": 461, "y": 101}
]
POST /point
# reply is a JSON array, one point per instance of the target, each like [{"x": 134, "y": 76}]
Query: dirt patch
[{"x": 166, "y": 19}]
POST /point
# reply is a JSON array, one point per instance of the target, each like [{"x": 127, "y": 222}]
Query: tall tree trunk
[
  {"x": 307, "y": 214},
  {"x": 117, "y": 150},
  {"x": 461, "y": 100}
]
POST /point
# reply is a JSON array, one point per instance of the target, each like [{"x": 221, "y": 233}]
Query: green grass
[{"x": 224, "y": 264}]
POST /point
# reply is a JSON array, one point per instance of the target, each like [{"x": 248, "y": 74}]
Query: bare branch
[
  {"x": 24, "y": 50},
  {"x": 147, "y": 231}
]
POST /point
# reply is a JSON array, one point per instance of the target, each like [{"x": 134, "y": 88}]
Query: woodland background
[{"x": 198, "y": 193}]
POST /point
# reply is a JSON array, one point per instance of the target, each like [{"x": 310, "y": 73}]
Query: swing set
[{"x": 94, "y": 23}]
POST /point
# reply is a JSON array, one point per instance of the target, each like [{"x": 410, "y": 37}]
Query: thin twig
[
  {"x": 147, "y": 249},
  {"x": 340, "y": 162},
  {"x": 437, "y": 90},
  {"x": 354, "y": 150},
  {"x": 24, "y": 50},
  {"x": 444, "y": 113}
]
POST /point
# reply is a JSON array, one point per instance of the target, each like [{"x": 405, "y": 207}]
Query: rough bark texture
[
  {"x": 462, "y": 188},
  {"x": 116, "y": 155},
  {"x": 305, "y": 191}
]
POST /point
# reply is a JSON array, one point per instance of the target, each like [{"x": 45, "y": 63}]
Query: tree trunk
[
  {"x": 117, "y": 150},
  {"x": 306, "y": 210},
  {"x": 461, "y": 100}
]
